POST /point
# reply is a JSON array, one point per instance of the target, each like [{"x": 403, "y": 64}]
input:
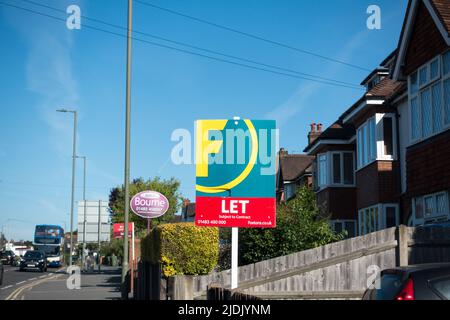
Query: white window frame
[
  {"x": 435, "y": 216},
  {"x": 381, "y": 223},
  {"x": 439, "y": 79},
  {"x": 289, "y": 190},
  {"x": 330, "y": 173},
  {"x": 321, "y": 184},
  {"x": 341, "y": 156},
  {"x": 365, "y": 150},
  {"x": 379, "y": 132}
]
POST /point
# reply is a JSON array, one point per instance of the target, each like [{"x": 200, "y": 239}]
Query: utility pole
[
  {"x": 127, "y": 154},
  {"x": 74, "y": 153}
]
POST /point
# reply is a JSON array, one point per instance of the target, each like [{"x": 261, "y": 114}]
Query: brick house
[
  {"x": 334, "y": 175},
  {"x": 424, "y": 63},
  {"x": 294, "y": 171},
  {"x": 385, "y": 161}
]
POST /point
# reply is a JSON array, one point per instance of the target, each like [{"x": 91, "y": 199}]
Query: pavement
[{"x": 53, "y": 285}]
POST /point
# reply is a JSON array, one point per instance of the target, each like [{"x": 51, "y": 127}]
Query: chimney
[
  {"x": 283, "y": 152},
  {"x": 314, "y": 133}
]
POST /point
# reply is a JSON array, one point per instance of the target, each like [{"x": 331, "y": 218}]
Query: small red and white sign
[
  {"x": 230, "y": 212},
  {"x": 119, "y": 230}
]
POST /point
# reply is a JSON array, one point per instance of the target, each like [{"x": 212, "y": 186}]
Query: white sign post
[{"x": 234, "y": 257}]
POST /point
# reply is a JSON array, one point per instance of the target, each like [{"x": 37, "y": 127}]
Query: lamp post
[
  {"x": 127, "y": 153},
  {"x": 83, "y": 257},
  {"x": 74, "y": 152}
]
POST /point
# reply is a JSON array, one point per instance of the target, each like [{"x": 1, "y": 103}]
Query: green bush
[
  {"x": 299, "y": 227},
  {"x": 182, "y": 248}
]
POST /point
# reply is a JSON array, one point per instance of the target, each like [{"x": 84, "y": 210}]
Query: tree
[
  {"x": 299, "y": 227},
  {"x": 168, "y": 188}
]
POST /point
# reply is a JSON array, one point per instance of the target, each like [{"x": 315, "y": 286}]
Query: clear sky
[{"x": 44, "y": 66}]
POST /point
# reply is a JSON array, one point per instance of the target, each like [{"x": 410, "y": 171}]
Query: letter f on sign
[{"x": 204, "y": 146}]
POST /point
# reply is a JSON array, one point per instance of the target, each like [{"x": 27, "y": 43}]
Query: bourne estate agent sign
[
  {"x": 235, "y": 173},
  {"x": 149, "y": 204}
]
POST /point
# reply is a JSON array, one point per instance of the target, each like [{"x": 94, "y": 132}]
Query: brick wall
[
  {"x": 428, "y": 166},
  {"x": 337, "y": 203},
  {"x": 377, "y": 183},
  {"x": 426, "y": 41}
]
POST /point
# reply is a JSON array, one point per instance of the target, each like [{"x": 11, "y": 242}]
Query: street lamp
[
  {"x": 127, "y": 152},
  {"x": 84, "y": 215},
  {"x": 74, "y": 152}
]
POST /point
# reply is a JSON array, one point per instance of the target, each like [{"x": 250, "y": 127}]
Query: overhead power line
[
  {"x": 250, "y": 35},
  {"x": 200, "y": 48},
  {"x": 189, "y": 52}
]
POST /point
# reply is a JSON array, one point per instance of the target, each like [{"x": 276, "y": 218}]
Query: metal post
[
  {"x": 99, "y": 231},
  {"x": 83, "y": 255},
  {"x": 74, "y": 152},
  {"x": 127, "y": 153}
]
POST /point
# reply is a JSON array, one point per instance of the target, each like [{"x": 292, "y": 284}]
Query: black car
[
  {"x": 7, "y": 257},
  {"x": 415, "y": 282},
  {"x": 1, "y": 273},
  {"x": 33, "y": 260}
]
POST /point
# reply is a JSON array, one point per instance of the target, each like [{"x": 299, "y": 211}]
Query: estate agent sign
[{"x": 235, "y": 173}]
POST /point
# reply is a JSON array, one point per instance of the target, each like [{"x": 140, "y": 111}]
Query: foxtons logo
[{"x": 214, "y": 145}]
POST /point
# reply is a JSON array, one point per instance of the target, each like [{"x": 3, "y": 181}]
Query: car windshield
[{"x": 33, "y": 254}]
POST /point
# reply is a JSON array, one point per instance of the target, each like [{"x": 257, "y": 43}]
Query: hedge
[{"x": 182, "y": 248}]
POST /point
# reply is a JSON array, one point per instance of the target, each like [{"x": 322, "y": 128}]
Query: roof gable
[{"x": 426, "y": 26}]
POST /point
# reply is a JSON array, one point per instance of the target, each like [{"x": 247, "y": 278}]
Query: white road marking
[
  {"x": 32, "y": 278},
  {"x": 7, "y": 287},
  {"x": 21, "y": 282},
  {"x": 42, "y": 276}
]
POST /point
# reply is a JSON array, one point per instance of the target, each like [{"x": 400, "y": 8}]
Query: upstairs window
[
  {"x": 376, "y": 139},
  {"x": 336, "y": 169},
  {"x": 429, "y": 98},
  {"x": 322, "y": 168}
]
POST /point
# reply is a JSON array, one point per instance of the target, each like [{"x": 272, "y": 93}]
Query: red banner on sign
[
  {"x": 227, "y": 212},
  {"x": 119, "y": 230}
]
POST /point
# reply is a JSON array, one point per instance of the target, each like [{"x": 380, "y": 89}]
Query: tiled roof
[
  {"x": 442, "y": 8},
  {"x": 293, "y": 166},
  {"x": 337, "y": 131},
  {"x": 386, "y": 88}
]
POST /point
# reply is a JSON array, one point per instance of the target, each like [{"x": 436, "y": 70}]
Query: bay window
[
  {"x": 322, "y": 168},
  {"x": 336, "y": 168},
  {"x": 429, "y": 98},
  {"x": 378, "y": 217},
  {"x": 376, "y": 139}
]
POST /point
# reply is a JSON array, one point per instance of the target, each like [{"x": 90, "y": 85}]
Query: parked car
[
  {"x": 7, "y": 257},
  {"x": 415, "y": 282},
  {"x": 1, "y": 273},
  {"x": 33, "y": 260}
]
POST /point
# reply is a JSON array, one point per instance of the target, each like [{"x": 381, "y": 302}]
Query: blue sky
[{"x": 45, "y": 66}]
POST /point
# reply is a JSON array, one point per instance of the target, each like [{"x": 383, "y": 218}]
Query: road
[
  {"x": 52, "y": 285},
  {"x": 14, "y": 279}
]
